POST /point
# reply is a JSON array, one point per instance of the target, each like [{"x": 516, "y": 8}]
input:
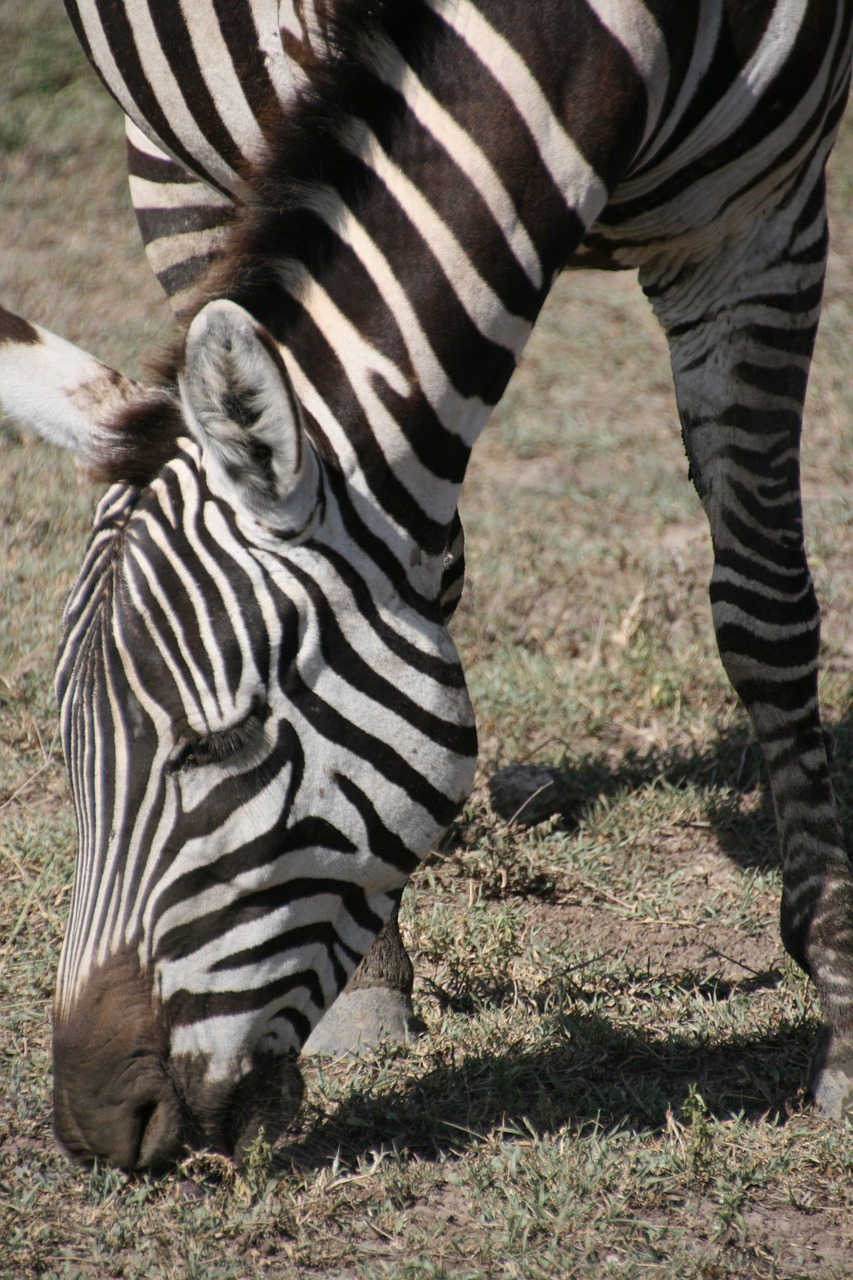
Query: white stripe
[
  {"x": 472, "y": 161},
  {"x": 735, "y": 106},
  {"x": 197, "y": 705},
  {"x": 157, "y": 71},
  {"x": 214, "y": 60},
  {"x": 250, "y": 678},
  {"x": 147, "y": 194},
  {"x": 363, "y": 364},
  {"x": 640, "y": 36},
  {"x": 116, "y": 823},
  {"x": 221, "y": 1041},
  {"x": 196, "y": 973},
  {"x": 146, "y": 857},
  {"x": 461, "y": 415},
  {"x": 218, "y": 703},
  {"x": 103, "y": 59},
  {"x": 707, "y": 27},
  {"x": 724, "y": 202},
  {"x": 142, "y": 142},
  {"x": 481, "y": 304},
  {"x": 69, "y": 960},
  {"x": 173, "y": 250}
]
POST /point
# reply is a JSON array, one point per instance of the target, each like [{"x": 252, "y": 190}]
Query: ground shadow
[
  {"x": 732, "y": 763},
  {"x": 585, "y": 1071},
  {"x": 584, "y": 1074}
]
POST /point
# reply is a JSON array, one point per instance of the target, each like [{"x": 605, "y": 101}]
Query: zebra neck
[{"x": 403, "y": 282}]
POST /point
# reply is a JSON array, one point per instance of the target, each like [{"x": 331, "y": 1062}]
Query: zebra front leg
[
  {"x": 376, "y": 1004},
  {"x": 741, "y": 330}
]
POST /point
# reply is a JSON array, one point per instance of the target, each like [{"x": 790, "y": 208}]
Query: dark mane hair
[{"x": 277, "y": 223}]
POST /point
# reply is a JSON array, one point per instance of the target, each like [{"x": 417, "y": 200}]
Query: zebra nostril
[
  {"x": 159, "y": 1133},
  {"x": 146, "y": 1134}
]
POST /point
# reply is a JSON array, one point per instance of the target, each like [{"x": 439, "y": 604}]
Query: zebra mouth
[
  {"x": 228, "y": 1118},
  {"x": 144, "y": 1129},
  {"x": 120, "y": 1098},
  {"x": 146, "y": 1124},
  {"x": 113, "y": 1098}
]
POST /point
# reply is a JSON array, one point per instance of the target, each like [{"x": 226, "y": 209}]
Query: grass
[{"x": 613, "y": 1078}]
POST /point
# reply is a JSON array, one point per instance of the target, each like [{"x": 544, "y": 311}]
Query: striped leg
[{"x": 741, "y": 330}]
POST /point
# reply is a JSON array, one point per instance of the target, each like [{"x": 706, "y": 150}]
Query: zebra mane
[{"x": 278, "y": 225}]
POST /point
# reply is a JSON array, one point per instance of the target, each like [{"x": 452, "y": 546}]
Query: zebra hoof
[
  {"x": 832, "y": 1089},
  {"x": 362, "y": 1018}
]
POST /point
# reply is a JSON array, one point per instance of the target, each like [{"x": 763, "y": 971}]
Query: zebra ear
[
  {"x": 240, "y": 403},
  {"x": 59, "y": 391}
]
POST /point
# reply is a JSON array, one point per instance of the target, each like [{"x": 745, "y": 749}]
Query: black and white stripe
[
  {"x": 264, "y": 718},
  {"x": 204, "y": 88}
]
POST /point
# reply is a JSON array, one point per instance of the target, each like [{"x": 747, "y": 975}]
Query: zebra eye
[{"x": 194, "y": 750}]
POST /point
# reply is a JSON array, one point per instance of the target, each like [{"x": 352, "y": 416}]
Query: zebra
[
  {"x": 255, "y": 59},
  {"x": 264, "y": 718}
]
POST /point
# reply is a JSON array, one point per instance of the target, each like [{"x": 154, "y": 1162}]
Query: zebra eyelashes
[{"x": 194, "y": 750}]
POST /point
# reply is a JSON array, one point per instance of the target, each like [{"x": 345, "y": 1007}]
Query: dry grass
[{"x": 612, "y": 1080}]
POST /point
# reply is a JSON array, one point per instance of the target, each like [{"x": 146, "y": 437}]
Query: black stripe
[
  {"x": 319, "y": 932},
  {"x": 597, "y": 68},
  {"x": 119, "y": 36},
  {"x": 780, "y": 102},
  {"x": 178, "y": 48},
  {"x": 176, "y": 619},
  {"x": 160, "y": 169},
  {"x": 155, "y": 222},
  {"x": 347, "y": 662},
  {"x": 247, "y": 57},
  {"x": 384, "y": 844},
  {"x": 183, "y": 275},
  {"x": 794, "y": 611},
  {"x": 186, "y": 939},
  {"x": 184, "y": 1007},
  {"x": 328, "y": 722},
  {"x": 446, "y": 673}
]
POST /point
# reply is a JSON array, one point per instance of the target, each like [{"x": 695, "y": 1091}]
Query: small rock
[
  {"x": 528, "y": 794},
  {"x": 188, "y": 1189}
]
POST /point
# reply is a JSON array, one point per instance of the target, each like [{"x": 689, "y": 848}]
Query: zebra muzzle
[
  {"x": 113, "y": 1097},
  {"x": 120, "y": 1097},
  {"x": 143, "y": 1129}
]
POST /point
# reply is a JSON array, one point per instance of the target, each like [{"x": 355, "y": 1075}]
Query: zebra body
[
  {"x": 203, "y": 88},
  {"x": 265, "y": 722}
]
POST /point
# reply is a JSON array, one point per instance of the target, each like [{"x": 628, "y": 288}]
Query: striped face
[{"x": 263, "y": 736}]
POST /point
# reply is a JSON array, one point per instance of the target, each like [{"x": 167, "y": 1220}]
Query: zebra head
[{"x": 265, "y": 727}]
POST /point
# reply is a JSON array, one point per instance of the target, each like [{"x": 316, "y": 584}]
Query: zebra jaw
[{"x": 239, "y": 402}]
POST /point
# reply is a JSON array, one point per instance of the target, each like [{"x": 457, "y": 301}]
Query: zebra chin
[{"x": 119, "y": 1099}]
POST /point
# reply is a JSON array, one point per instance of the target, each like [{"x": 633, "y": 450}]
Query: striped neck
[{"x": 401, "y": 315}]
